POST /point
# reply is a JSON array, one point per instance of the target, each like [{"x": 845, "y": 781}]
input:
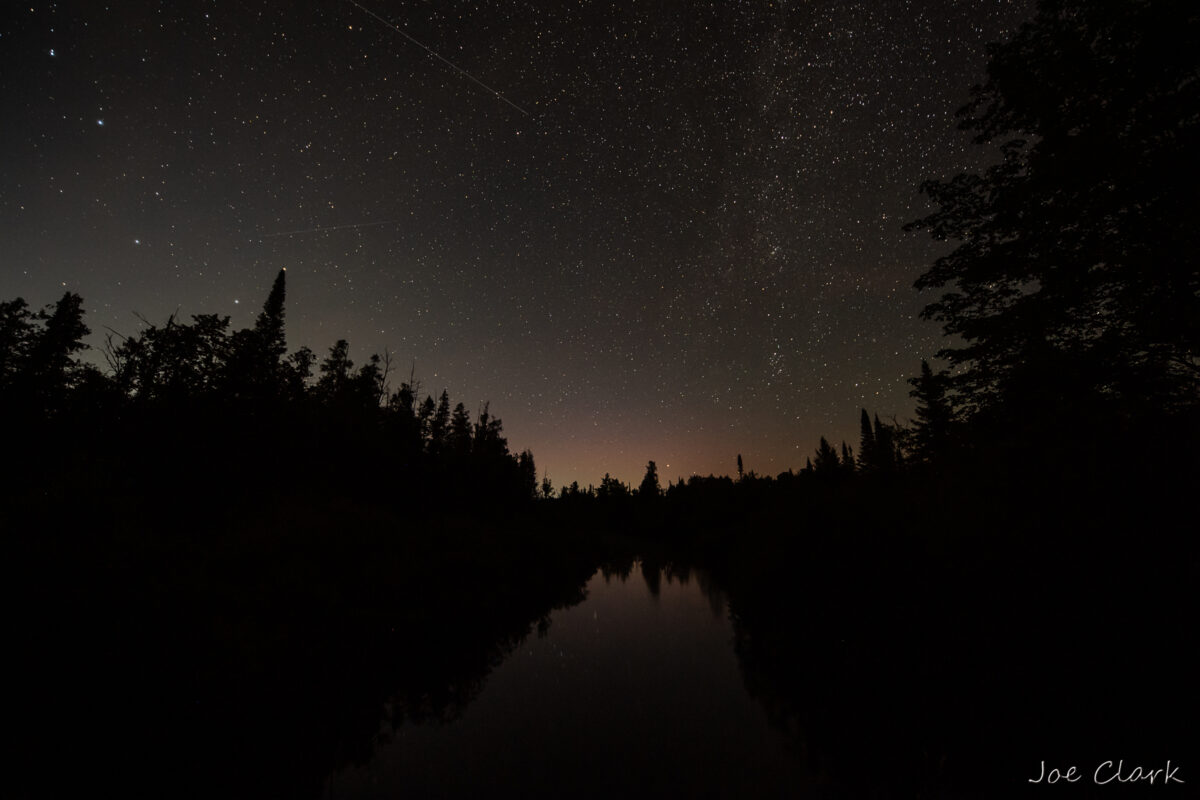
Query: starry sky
[{"x": 641, "y": 230}]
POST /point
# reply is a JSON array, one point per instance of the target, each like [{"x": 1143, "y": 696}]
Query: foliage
[{"x": 1074, "y": 276}]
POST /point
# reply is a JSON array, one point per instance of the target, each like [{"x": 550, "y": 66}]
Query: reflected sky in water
[{"x": 630, "y": 692}]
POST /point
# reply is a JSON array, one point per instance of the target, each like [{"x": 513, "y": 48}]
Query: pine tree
[
  {"x": 826, "y": 461},
  {"x": 932, "y": 430},
  {"x": 489, "y": 441},
  {"x": 649, "y": 486},
  {"x": 868, "y": 460},
  {"x": 51, "y": 368},
  {"x": 460, "y": 430},
  {"x": 255, "y": 371},
  {"x": 335, "y": 372},
  {"x": 885, "y": 447},
  {"x": 439, "y": 425},
  {"x": 527, "y": 472},
  {"x": 268, "y": 328},
  {"x": 847, "y": 461},
  {"x": 425, "y": 414}
]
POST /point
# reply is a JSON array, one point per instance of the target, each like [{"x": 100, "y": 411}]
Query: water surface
[{"x": 636, "y": 691}]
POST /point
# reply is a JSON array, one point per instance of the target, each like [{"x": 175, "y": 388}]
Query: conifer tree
[
  {"x": 255, "y": 370},
  {"x": 868, "y": 460},
  {"x": 932, "y": 430},
  {"x": 51, "y": 368},
  {"x": 847, "y": 461},
  {"x": 650, "y": 486},
  {"x": 425, "y": 414},
  {"x": 335, "y": 371},
  {"x": 527, "y": 474},
  {"x": 439, "y": 425},
  {"x": 885, "y": 447},
  {"x": 460, "y": 430},
  {"x": 268, "y": 328},
  {"x": 826, "y": 461},
  {"x": 488, "y": 440}
]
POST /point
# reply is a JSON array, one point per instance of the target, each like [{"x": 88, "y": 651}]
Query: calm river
[{"x": 636, "y": 691}]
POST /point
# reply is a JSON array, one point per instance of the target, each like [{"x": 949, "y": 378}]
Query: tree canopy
[{"x": 1075, "y": 267}]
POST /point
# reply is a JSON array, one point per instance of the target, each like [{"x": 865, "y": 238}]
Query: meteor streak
[{"x": 445, "y": 61}]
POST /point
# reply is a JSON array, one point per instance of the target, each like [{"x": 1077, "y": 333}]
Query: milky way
[{"x": 664, "y": 231}]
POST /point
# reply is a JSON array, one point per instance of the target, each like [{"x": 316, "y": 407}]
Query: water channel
[{"x": 635, "y": 691}]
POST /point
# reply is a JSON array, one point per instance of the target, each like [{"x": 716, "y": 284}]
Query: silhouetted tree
[
  {"x": 256, "y": 370},
  {"x": 868, "y": 461},
  {"x": 369, "y": 384},
  {"x": 300, "y": 370},
  {"x": 740, "y": 470},
  {"x": 488, "y": 442},
  {"x": 175, "y": 363},
  {"x": 335, "y": 372},
  {"x": 886, "y": 456},
  {"x": 826, "y": 462},
  {"x": 425, "y": 414},
  {"x": 1077, "y": 254},
  {"x": 460, "y": 431},
  {"x": 50, "y": 369},
  {"x": 16, "y": 336},
  {"x": 527, "y": 472},
  {"x": 649, "y": 486},
  {"x": 935, "y": 415},
  {"x": 611, "y": 489},
  {"x": 268, "y": 328},
  {"x": 439, "y": 425},
  {"x": 847, "y": 460}
]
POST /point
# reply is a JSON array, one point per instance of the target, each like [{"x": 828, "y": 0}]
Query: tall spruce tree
[
  {"x": 867, "y": 458},
  {"x": 51, "y": 369},
  {"x": 847, "y": 462},
  {"x": 650, "y": 486},
  {"x": 886, "y": 459},
  {"x": 256, "y": 370},
  {"x": 439, "y": 425},
  {"x": 931, "y": 431},
  {"x": 460, "y": 431},
  {"x": 268, "y": 328},
  {"x": 826, "y": 460}
]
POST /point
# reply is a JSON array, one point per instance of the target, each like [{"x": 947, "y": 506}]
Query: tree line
[{"x": 292, "y": 409}]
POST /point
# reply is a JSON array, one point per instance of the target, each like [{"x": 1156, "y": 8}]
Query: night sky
[{"x": 665, "y": 231}]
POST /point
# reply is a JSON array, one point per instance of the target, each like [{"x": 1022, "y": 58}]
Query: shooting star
[
  {"x": 445, "y": 61},
  {"x": 322, "y": 228}
]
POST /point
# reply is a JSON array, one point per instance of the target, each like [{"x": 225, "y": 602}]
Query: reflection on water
[{"x": 634, "y": 691}]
